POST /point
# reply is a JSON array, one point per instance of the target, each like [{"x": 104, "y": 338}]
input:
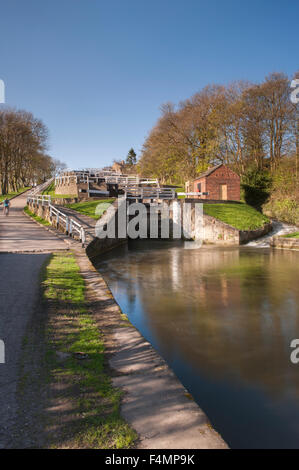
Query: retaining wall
[
  {"x": 285, "y": 243},
  {"x": 98, "y": 245},
  {"x": 214, "y": 231}
]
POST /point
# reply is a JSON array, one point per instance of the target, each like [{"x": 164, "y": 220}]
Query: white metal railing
[
  {"x": 71, "y": 226},
  {"x": 41, "y": 187},
  {"x": 192, "y": 194},
  {"x": 149, "y": 193},
  {"x": 80, "y": 177}
]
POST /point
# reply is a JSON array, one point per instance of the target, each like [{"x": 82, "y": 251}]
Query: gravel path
[{"x": 24, "y": 247}]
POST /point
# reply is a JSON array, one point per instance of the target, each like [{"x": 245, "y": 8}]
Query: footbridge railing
[
  {"x": 108, "y": 179},
  {"x": 137, "y": 192},
  {"x": 71, "y": 226},
  {"x": 41, "y": 187},
  {"x": 149, "y": 193}
]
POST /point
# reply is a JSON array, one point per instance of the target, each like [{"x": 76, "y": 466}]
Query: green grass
[
  {"x": 240, "y": 216},
  {"x": 50, "y": 191},
  {"x": 12, "y": 194},
  {"x": 180, "y": 190},
  {"x": 36, "y": 217},
  {"x": 97, "y": 422},
  {"x": 94, "y": 209},
  {"x": 292, "y": 235}
]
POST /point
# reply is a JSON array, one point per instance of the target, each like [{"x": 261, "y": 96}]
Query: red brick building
[{"x": 219, "y": 182}]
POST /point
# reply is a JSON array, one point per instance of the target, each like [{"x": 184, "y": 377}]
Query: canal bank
[
  {"x": 225, "y": 419},
  {"x": 155, "y": 403},
  {"x": 222, "y": 418}
]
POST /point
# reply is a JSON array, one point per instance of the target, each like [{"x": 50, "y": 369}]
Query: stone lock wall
[
  {"x": 102, "y": 245},
  {"x": 67, "y": 186},
  {"x": 213, "y": 231}
]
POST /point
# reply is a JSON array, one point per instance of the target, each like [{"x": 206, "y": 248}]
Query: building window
[{"x": 199, "y": 187}]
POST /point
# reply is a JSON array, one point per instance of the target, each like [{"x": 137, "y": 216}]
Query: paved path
[
  {"x": 20, "y": 234},
  {"x": 19, "y": 287},
  {"x": 88, "y": 223}
]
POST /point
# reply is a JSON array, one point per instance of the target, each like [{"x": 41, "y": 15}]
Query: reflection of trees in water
[{"x": 228, "y": 312}]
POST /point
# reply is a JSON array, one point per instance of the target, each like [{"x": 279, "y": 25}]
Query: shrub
[{"x": 256, "y": 186}]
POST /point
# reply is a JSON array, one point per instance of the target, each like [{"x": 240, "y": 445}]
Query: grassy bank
[
  {"x": 12, "y": 194},
  {"x": 77, "y": 367},
  {"x": 50, "y": 191},
  {"x": 94, "y": 209},
  {"x": 36, "y": 217},
  {"x": 240, "y": 216},
  {"x": 292, "y": 235}
]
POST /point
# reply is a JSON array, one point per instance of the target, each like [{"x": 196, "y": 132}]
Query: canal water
[{"x": 223, "y": 319}]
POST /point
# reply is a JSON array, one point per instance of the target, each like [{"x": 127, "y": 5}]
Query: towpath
[{"x": 24, "y": 247}]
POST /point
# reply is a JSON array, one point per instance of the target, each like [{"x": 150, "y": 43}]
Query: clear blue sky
[{"x": 96, "y": 72}]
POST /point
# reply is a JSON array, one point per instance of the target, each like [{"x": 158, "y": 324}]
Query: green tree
[
  {"x": 256, "y": 185},
  {"x": 131, "y": 157}
]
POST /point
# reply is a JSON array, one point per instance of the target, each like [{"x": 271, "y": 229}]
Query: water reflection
[{"x": 224, "y": 320}]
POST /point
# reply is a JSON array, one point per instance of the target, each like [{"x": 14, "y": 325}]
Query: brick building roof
[{"x": 208, "y": 172}]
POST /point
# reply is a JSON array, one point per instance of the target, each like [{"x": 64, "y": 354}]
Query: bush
[
  {"x": 286, "y": 210},
  {"x": 256, "y": 186}
]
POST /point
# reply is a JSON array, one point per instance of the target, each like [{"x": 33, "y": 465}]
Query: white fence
[
  {"x": 149, "y": 193},
  {"x": 41, "y": 187},
  {"x": 71, "y": 226},
  {"x": 156, "y": 193},
  {"x": 109, "y": 179}
]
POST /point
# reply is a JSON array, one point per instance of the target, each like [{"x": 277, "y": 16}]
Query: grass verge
[
  {"x": 12, "y": 194},
  {"x": 36, "y": 217},
  {"x": 240, "y": 216},
  {"x": 87, "y": 405},
  {"x": 50, "y": 191},
  {"x": 94, "y": 209},
  {"x": 180, "y": 190},
  {"x": 292, "y": 235}
]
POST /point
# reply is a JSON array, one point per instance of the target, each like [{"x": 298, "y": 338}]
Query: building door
[{"x": 223, "y": 192}]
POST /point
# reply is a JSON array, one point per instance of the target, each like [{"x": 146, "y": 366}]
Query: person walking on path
[{"x": 6, "y": 206}]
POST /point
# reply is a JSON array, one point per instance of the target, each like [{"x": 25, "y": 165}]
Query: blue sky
[{"x": 96, "y": 72}]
